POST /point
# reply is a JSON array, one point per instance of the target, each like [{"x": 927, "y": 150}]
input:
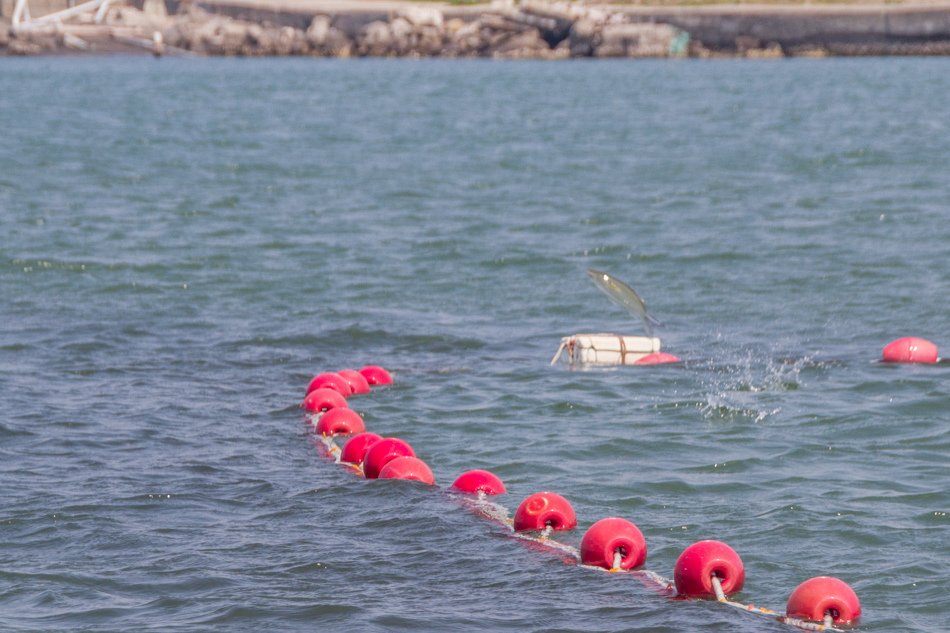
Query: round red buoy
[
  {"x": 376, "y": 375},
  {"x": 355, "y": 380},
  {"x": 657, "y": 358},
  {"x": 384, "y": 450},
  {"x": 330, "y": 380},
  {"x": 816, "y": 597},
  {"x": 407, "y": 468},
  {"x": 355, "y": 448},
  {"x": 323, "y": 399},
  {"x": 604, "y": 539},
  {"x": 475, "y": 481},
  {"x": 910, "y": 349},
  {"x": 543, "y": 509},
  {"x": 340, "y": 421},
  {"x": 696, "y": 565}
]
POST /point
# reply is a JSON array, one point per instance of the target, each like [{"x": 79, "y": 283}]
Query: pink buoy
[
  {"x": 910, "y": 349},
  {"x": 476, "y": 481},
  {"x": 355, "y": 448},
  {"x": 376, "y": 375},
  {"x": 544, "y": 509},
  {"x": 657, "y": 358},
  {"x": 330, "y": 380},
  {"x": 384, "y": 450},
  {"x": 817, "y": 597},
  {"x": 355, "y": 380},
  {"x": 411, "y": 468},
  {"x": 323, "y": 399},
  {"x": 609, "y": 537},
  {"x": 695, "y": 567},
  {"x": 340, "y": 421}
]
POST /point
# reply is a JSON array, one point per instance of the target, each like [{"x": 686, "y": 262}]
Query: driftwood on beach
[{"x": 530, "y": 29}]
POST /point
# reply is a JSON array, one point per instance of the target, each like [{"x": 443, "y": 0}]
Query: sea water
[{"x": 184, "y": 243}]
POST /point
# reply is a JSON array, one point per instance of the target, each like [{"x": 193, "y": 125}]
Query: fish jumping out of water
[{"x": 624, "y": 296}]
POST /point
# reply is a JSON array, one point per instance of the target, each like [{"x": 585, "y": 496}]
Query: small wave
[
  {"x": 8, "y": 431},
  {"x": 37, "y": 265},
  {"x": 717, "y": 407}
]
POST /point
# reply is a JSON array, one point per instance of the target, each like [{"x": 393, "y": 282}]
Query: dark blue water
[{"x": 183, "y": 244}]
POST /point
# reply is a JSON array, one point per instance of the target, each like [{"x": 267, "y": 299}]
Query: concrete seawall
[{"x": 837, "y": 30}]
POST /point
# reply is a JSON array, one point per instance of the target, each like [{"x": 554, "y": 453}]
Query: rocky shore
[
  {"x": 530, "y": 29},
  {"x": 535, "y": 30}
]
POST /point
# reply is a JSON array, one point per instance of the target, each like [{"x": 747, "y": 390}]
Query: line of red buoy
[{"x": 705, "y": 570}]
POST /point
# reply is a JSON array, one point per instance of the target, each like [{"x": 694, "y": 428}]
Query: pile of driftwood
[
  {"x": 91, "y": 26},
  {"x": 533, "y": 29}
]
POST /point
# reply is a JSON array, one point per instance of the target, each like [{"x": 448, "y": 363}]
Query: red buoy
[
  {"x": 323, "y": 399},
  {"x": 695, "y": 567},
  {"x": 476, "y": 481},
  {"x": 608, "y": 537},
  {"x": 355, "y": 448},
  {"x": 376, "y": 375},
  {"x": 821, "y": 596},
  {"x": 407, "y": 468},
  {"x": 384, "y": 450},
  {"x": 657, "y": 358},
  {"x": 910, "y": 349},
  {"x": 330, "y": 380},
  {"x": 544, "y": 509},
  {"x": 340, "y": 421},
  {"x": 355, "y": 380}
]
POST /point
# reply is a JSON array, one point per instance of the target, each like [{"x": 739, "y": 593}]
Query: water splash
[{"x": 742, "y": 388}]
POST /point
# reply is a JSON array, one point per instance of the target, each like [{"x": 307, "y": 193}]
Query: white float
[{"x": 605, "y": 349}]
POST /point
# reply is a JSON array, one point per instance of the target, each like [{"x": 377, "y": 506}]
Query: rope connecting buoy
[
  {"x": 608, "y": 538},
  {"x": 355, "y": 380},
  {"x": 323, "y": 399},
  {"x": 411, "y": 468},
  {"x": 657, "y": 358},
  {"x": 699, "y": 562},
  {"x": 376, "y": 375},
  {"x": 340, "y": 421},
  {"x": 382, "y": 451},
  {"x": 910, "y": 349},
  {"x": 479, "y": 481},
  {"x": 824, "y": 599},
  {"x": 544, "y": 510},
  {"x": 330, "y": 380},
  {"x": 355, "y": 448}
]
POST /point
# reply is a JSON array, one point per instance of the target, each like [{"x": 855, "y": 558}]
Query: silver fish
[{"x": 624, "y": 296}]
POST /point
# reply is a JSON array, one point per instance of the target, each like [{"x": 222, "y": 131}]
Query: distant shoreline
[{"x": 531, "y": 29}]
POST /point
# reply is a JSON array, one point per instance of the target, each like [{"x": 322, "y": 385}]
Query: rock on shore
[
  {"x": 536, "y": 31},
  {"x": 532, "y": 30}
]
